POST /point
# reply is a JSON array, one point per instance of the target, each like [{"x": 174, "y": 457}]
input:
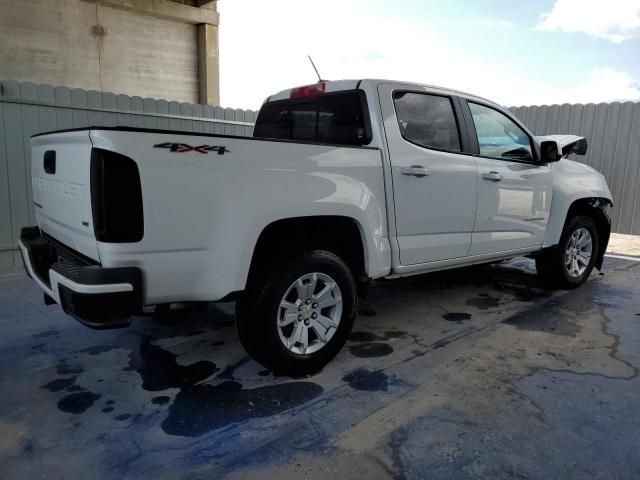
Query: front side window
[
  {"x": 498, "y": 136},
  {"x": 427, "y": 120}
]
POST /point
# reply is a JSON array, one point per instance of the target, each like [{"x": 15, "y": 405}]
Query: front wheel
[
  {"x": 303, "y": 315},
  {"x": 571, "y": 262}
]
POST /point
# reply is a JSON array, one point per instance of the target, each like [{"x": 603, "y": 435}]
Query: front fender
[{"x": 572, "y": 181}]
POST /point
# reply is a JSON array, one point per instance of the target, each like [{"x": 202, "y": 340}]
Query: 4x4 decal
[{"x": 183, "y": 148}]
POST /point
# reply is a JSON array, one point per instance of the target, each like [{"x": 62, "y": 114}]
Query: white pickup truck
[{"x": 343, "y": 182}]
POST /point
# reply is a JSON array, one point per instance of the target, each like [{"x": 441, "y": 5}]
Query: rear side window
[
  {"x": 427, "y": 120},
  {"x": 334, "y": 118}
]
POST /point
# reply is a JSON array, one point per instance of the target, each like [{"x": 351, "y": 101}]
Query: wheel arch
[
  {"x": 342, "y": 235},
  {"x": 592, "y": 206}
]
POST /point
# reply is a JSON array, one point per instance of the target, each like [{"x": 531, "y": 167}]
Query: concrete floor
[{"x": 476, "y": 373}]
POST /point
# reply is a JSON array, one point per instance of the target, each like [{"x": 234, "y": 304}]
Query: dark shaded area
[
  {"x": 395, "y": 334},
  {"x": 525, "y": 293},
  {"x": 78, "y": 402},
  {"x": 64, "y": 369},
  {"x": 98, "y": 349},
  {"x": 107, "y": 409},
  {"x": 228, "y": 372},
  {"x": 370, "y": 350},
  {"x": 199, "y": 409},
  {"x": 47, "y": 333},
  {"x": 456, "y": 316},
  {"x": 159, "y": 369},
  {"x": 484, "y": 301},
  {"x": 59, "y": 384},
  {"x": 363, "y": 337},
  {"x": 161, "y": 400},
  {"x": 367, "y": 380},
  {"x": 124, "y": 416},
  {"x": 547, "y": 320},
  {"x": 367, "y": 312}
]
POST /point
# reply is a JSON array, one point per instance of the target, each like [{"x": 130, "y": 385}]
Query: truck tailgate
[{"x": 60, "y": 175}]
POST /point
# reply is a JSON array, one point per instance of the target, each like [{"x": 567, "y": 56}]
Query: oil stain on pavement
[
  {"x": 159, "y": 369},
  {"x": 198, "y": 409},
  {"x": 367, "y": 380}
]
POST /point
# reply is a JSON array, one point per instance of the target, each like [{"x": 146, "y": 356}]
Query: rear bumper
[{"x": 98, "y": 297}]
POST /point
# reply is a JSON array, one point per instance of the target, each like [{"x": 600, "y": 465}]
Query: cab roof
[{"x": 350, "y": 84}]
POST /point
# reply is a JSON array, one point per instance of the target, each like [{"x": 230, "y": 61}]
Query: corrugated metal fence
[
  {"x": 613, "y": 133},
  {"x": 27, "y": 109}
]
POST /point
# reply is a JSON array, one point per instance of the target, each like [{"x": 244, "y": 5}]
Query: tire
[
  {"x": 274, "y": 335},
  {"x": 556, "y": 267}
]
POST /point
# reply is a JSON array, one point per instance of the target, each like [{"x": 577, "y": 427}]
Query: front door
[
  {"x": 434, "y": 184},
  {"x": 514, "y": 190}
]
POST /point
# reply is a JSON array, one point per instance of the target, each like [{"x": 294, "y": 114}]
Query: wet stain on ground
[
  {"x": 198, "y": 409},
  {"x": 367, "y": 312},
  {"x": 77, "y": 403},
  {"x": 98, "y": 349},
  {"x": 64, "y": 369},
  {"x": 548, "y": 323},
  {"x": 161, "y": 400},
  {"x": 107, "y": 409},
  {"x": 371, "y": 350},
  {"x": 159, "y": 369},
  {"x": 47, "y": 333},
  {"x": 74, "y": 388},
  {"x": 124, "y": 416},
  {"x": 526, "y": 294},
  {"x": 395, "y": 334},
  {"x": 363, "y": 337},
  {"x": 367, "y": 380},
  {"x": 484, "y": 301},
  {"x": 228, "y": 372},
  {"x": 59, "y": 384},
  {"x": 456, "y": 316}
]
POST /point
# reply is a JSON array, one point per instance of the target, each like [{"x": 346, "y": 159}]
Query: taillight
[
  {"x": 308, "y": 90},
  {"x": 116, "y": 198}
]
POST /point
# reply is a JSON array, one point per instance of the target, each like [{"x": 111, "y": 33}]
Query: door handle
[
  {"x": 493, "y": 176},
  {"x": 415, "y": 171}
]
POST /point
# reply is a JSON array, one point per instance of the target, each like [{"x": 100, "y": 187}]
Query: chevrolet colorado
[{"x": 342, "y": 182}]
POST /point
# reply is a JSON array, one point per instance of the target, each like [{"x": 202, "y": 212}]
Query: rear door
[
  {"x": 60, "y": 176},
  {"x": 434, "y": 183},
  {"x": 514, "y": 189}
]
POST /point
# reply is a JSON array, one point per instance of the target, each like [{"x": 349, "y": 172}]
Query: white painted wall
[{"x": 54, "y": 42}]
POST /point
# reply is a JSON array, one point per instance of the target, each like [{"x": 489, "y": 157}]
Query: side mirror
[
  {"x": 581, "y": 147},
  {"x": 549, "y": 151}
]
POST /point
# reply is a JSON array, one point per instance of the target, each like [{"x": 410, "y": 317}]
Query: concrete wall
[{"x": 103, "y": 46}]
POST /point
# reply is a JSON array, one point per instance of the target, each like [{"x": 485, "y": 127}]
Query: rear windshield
[{"x": 336, "y": 118}]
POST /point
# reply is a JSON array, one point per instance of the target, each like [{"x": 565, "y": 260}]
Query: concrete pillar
[{"x": 208, "y": 64}]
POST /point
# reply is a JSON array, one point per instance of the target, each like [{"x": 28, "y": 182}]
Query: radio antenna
[{"x": 314, "y": 67}]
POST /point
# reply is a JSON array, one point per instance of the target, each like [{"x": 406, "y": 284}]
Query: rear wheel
[
  {"x": 571, "y": 262},
  {"x": 302, "y": 316}
]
